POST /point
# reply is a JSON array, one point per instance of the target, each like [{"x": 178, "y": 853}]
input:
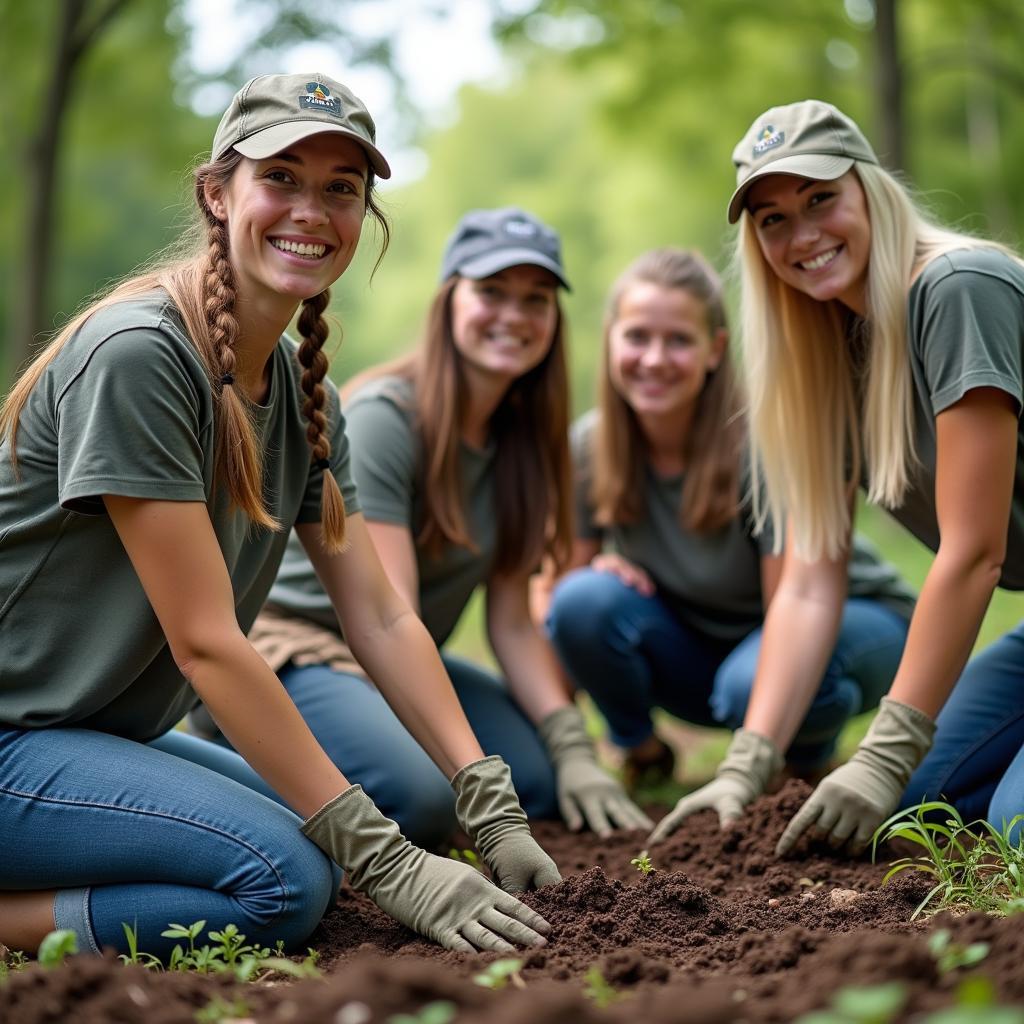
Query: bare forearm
[
  {"x": 534, "y": 675},
  {"x": 797, "y": 642},
  {"x": 404, "y": 664},
  {"x": 255, "y": 713},
  {"x": 949, "y": 612}
]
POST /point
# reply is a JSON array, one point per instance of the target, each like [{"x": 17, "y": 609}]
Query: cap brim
[
  {"x": 492, "y": 262},
  {"x": 269, "y": 141},
  {"x": 820, "y": 167}
]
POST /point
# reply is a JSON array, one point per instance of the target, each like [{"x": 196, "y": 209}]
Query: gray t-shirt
[
  {"x": 386, "y": 466},
  {"x": 125, "y": 408},
  {"x": 712, "y": 581},
  {"x": 966, "y": 330}
]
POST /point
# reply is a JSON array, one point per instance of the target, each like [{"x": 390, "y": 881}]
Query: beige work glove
[
  {"x": 748, "y": 766},
  {"x": 446, "y": 901},
  {"x": 488, "y": 811},
  {"x": 852, "y": 801},
  {"x": 586, "y": 793}
]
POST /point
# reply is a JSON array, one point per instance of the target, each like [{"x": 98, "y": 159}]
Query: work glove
[
  {"x": 586, "y": 793},
  {"x": 853, "y": 800},
  {"x": 446, "y": 901},
  {"x": 748, "y": 766},
  {"x": 488, "y": 811}
]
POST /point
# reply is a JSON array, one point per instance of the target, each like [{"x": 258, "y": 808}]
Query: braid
[
  {"x": 238, "y": 459},
  {"x": 313, "y": 329}
]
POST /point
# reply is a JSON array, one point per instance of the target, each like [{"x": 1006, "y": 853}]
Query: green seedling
[
  {"x": 133, "y": 956},
  {"x": 642, "y": 862},
  {"x": 439, "y": 1012},
  {"x": 469, "y": 857},
  {"x": 873, "y": 1004},
  {"x": 975, "y": 1003},
  {"x": 56, "y": 947},
  {"x": 499, "y": 973},
  {"x": 597, "y": 989},
  {"x": 950, "y": 955},
  {"x": 975, "y": 866},
  {"x": 11, "y": 960},
  {"x": 219, "y": 1009}
]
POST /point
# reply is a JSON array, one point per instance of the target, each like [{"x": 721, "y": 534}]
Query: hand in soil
[
  {"x": 742, "y": 777},
  {"x": 488, "y": 811},
  {"x": 586, "y": 793},
  {"x": 852, "y": 801},
  {"x": 451, "y": 903}
]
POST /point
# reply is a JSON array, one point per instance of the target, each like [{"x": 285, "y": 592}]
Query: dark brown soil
[{"x": 720, "y": 931}]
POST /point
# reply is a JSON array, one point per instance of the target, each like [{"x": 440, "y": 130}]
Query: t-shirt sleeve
[
  {"x": 970, "y": 337},
  {"x": 383, "y": 459},
  {"x": 581, "y": 445},
  {"x": 341, "y": 464},
  {"x": 128, "y": 423}
]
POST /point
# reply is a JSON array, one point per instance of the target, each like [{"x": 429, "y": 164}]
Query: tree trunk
[
  {"x": 72, "y": 39},
  {"x": 889, "y": 85}
]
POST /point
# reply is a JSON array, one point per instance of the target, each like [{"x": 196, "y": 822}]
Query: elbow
[
  {"x": 979, "y": 563},
  {"x": 199, "y": 649}
]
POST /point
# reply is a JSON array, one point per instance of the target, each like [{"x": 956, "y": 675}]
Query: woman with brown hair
[
  {"x": 154, "y": 458},
  {"x": 460, "y": 455},
  {"x": 667, "y": 610}
]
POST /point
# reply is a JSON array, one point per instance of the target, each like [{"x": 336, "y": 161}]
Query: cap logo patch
[
  {"x": 769, "y": 138},
  {"x": 318, "y": 97},
  {"x": 522, "y": 228}
]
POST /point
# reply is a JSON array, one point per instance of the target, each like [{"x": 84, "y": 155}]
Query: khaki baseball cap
[
  {"x": 272, "y": 112},
  {"x": 810, "y": 139}
]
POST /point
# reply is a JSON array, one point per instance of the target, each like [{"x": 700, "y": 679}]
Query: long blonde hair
[
  {"x": 200, "y": 281},
  {"x": 808, "y": 441},
  {"x": 713, "y": 448},
  {"x": 533, "y": 477}
]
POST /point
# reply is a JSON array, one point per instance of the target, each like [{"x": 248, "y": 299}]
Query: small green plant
[
  {"x": 499, "y": 973},
  {"x": 872, "y": 1004},
  {"x": 11, "y": 960},
  {"x": 975, "y": 1003},
  {"x": 950, "y": 955},
  {"x": 642, "y": 862},
  {"x": 219, "y": 1009},
  {"x": 439, "y": 1012},
  {"x": 975, "y": 866},
  {"x": 469, "y": 857},
  {"x": 133, "y": 956},
  {"x": 597, "y": 989},
  {"x": 56, "y": 947}
]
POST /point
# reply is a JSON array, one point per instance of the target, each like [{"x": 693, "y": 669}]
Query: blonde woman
[
  {"x": 666, "y": 610},
  {"x": 154, "y": 459},
  {"x": 885, "y": 351}
]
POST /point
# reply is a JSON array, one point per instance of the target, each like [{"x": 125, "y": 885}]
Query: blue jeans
[
  {"x": 977, "y": 760},
  {"x": 142, "y": 834},
  {"x": 632, "y": 653},
  {"x": 365, "y": 739}
]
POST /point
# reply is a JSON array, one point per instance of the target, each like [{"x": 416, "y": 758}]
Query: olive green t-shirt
[
  {"x": 125, "y": 408},
  {"x": 712, "y": 581},
  {"x": 386, "y": 466},
  {"x": 966, "y": 330}
]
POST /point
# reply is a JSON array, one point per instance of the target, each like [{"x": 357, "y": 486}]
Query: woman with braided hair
[{"x": 153, "y": 460}]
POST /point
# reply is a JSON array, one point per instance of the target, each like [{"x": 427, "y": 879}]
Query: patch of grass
[{"x": 975, "y": 866}]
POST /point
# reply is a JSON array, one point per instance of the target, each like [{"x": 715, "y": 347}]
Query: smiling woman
[{"x": 154, "y": 459}]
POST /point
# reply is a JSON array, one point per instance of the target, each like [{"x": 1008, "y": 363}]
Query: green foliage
[
  {"x": 11, "y": 960},
  {"x": 975, "y": 866},
  {"x": 597, "y": 989},
  {"x": 219, "y": 1009},
  {"x": 975, "y": 1003},
  {"x": 439, "y": 1012},
  {"x": 134, "y": 956},
  {"x": 950, "y": 955},
  {"x": 873, "y": 1004},
  {"x": 56, "y": 947},
  {"x": 469, "y": 857},
  {"x": 499, "y": 973},
  {"x": 642, "y": 862}
]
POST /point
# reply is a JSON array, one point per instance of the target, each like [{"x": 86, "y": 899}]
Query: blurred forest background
[{"x": 613, "y": 120}]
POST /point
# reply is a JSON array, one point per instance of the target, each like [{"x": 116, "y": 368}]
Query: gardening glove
[
  {"x": 858, "y": 796},
  {"x": 488, "y": 811},
  {"x": 585, "y": 791},
  {"x": 446, "y": 901},
  {"x": 744, "y": 774}
]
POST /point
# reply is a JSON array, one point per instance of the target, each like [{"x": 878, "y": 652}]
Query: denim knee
[{"x": 583, "y": 607}]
